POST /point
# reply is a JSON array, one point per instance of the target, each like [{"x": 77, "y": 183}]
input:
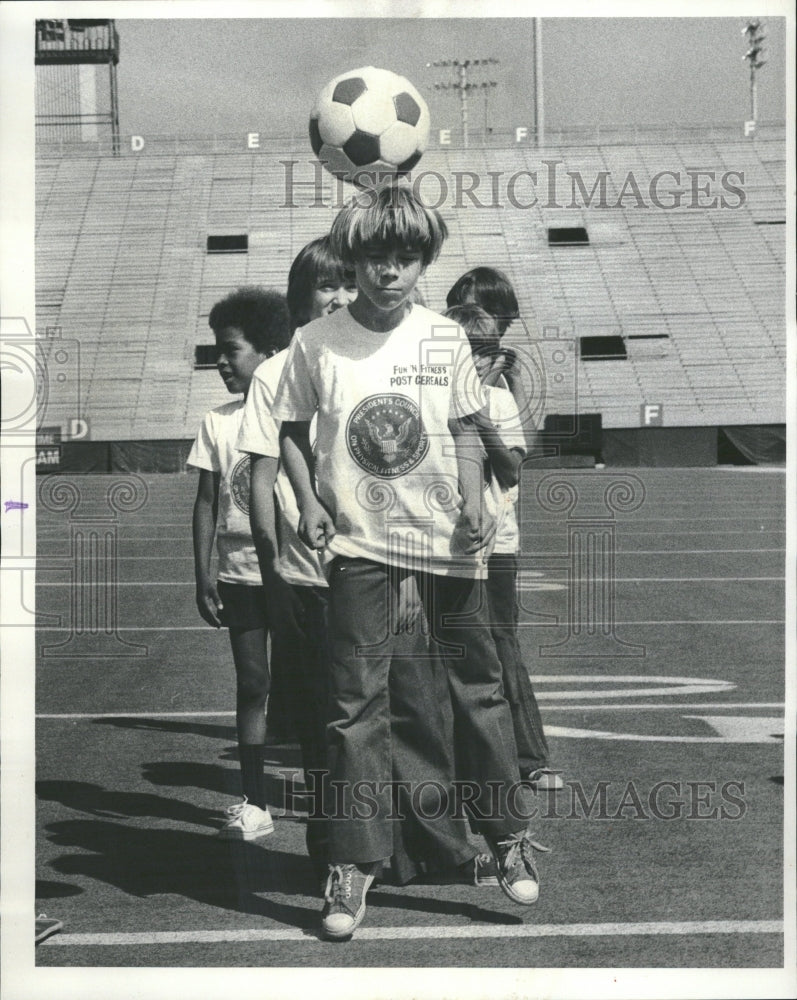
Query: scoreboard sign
[{"x": 48, "y": 449}]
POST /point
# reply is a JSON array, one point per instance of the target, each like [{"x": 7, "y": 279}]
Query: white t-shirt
[
  {"x": 215, "y": 450},
  {"x": 260, "y": 435},
  {"x": 385, "y": 462},
  {"x": 504, "y": 414}
]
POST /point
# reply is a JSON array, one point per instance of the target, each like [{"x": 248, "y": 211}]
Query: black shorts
[{"x": 243, "y": 607}]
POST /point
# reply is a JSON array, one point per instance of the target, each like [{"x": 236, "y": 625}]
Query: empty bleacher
[{"x": 697, "y": 293}]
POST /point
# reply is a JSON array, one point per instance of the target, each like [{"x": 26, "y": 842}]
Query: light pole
[
  {"x": 463, "y": 85},
  {"x": 755, "y": 41},
  {"x": 539, "y": 114}
]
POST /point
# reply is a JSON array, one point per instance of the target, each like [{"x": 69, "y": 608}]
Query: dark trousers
[
  {"x": 360, "y": 753},
  {"x": 532, "y": 746},
  {"x": 421, "y": 734},
  {"x": 300, "y": 634}
]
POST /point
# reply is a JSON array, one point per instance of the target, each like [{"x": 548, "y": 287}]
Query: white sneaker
[
  {"x": 517, "y": 868},
  {"x": 545, "y": 780},
  {"x": 344, "y": 902},
  {"x": 246, "y": 822}
]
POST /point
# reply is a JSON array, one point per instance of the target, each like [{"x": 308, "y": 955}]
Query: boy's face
[
  {"x": 236, "y": 358},
  {"x": 330, "y": 294},
  {"x": 386, "y": 276}
]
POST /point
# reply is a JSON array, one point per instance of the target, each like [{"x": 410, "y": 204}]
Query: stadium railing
[{"x": 595, "y": 135}]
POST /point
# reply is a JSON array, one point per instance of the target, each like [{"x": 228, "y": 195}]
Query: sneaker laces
[
  {"x": 521, "y": 847},
  {"x": 236, "y": 811},
  {"x": 338, "y": 885}
]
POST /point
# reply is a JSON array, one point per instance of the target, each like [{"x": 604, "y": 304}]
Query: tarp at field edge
[
  {"x": 149, "y": 456},
  {"x": 663, "y": 447},
  {"x": 84, "y": 456},
  {"x": 763, "y": 444}
]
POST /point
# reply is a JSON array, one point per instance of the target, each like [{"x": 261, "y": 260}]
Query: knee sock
[{"x": 252, "y": 777}]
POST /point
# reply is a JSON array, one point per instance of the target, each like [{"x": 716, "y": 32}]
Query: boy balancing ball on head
[
  {"x": 250, "y": 325},
  {"x": 296, "y": 588},
  {"x": 504, "y": 441},
  {"x": 389, "y": 383}
]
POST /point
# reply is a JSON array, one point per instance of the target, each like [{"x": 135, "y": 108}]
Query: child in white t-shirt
[
  {"x": 319, "y": 284},
  {"x": 392, "y": 490},
  {"x": 295, "y": 583},
  {"x": 506, "y": 448},
  {"x": 249, "y": 325}
]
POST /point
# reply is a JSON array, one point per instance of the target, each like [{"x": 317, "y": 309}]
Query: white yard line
[
  {"x": 692, "y": 706},
  {"x": 426, "y": 932},
  {"x": 537, "y": 555},
  {"x": 562, "y": 624},
  {"x": 542, "y": 579}
]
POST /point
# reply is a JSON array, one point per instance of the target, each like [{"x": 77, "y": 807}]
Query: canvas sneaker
[
  {"x": 545, "y": 780},
  {"x": 344, "y": 899},
  {"x": 485, "y": 870},
  {"x": 246, "y": 822},
  {"x": 517, "y": 869}
]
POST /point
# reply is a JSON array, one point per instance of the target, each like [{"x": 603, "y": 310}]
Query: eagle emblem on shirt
[
  {"x": 385, "y": 435},
  {"x": 239, "y": 484}
]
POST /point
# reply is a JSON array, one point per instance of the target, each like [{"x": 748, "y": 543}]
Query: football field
[{"x": 653, "y": 629}]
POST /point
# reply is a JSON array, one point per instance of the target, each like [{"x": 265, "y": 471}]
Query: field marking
[
  {"x": 537, "y": 555},
  {"x": 627, "y": 533},
  {"x": 730, "y": 729},
  {"x": 530, "y": 584},
  {"x": 644, "y": 929},
  {"x": 225, "y": 713},
  {"x": 562, "y": 624}
]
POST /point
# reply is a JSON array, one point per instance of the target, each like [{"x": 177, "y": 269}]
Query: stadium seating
[{"x": 122, "y": 269}]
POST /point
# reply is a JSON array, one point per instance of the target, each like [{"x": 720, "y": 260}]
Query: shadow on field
[
  {"x": 403, "y": 899},
  {"x": 229, "y": 875},
  {"x": 55, "y": 890},
  {"x": 98, "y": 801},
  {"x": 149, "y": 862},
  {"x": 154, "y": 724},
  {"x": 223, "y": 780}
]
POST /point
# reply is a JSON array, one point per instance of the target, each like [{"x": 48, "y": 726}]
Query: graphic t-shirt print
[
  {"x": 385, "y": 435},
  {"x": 240, "y": 483}
]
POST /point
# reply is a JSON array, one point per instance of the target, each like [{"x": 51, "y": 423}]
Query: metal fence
[{"x": 241, "y": 142}]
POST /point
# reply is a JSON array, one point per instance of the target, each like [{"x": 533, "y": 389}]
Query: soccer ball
[{"x": 369, "y": 124}]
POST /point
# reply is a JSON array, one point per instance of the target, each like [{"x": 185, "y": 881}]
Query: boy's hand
[
  {"x": 208, "y": 603},
  {"x": 474, "y": 528},
  {"x": 507, "y": 365},
  {"x": 316, "y": 527}
]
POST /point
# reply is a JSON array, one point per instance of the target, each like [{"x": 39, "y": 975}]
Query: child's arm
[
  {"x": 477, "y": 524},
  {"x": 510, "y": 369},
  {"x": 204, "y": 529},
  {"x": 316, "y": 527},
  {"x": 505, "y": 462},
  {"x": 262, "y": 515}
]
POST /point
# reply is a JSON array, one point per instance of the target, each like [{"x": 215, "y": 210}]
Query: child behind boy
[
  {"x": 249, "y": 325},
  {"x": 506, "y": 450},
  {"x": 492, "y": 290},
  {"x": 318, "y": 284},
  {"x": 389, "y": 382}
]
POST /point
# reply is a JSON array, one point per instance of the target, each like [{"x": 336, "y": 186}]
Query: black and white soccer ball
[{"x": 369, "y": 125}]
